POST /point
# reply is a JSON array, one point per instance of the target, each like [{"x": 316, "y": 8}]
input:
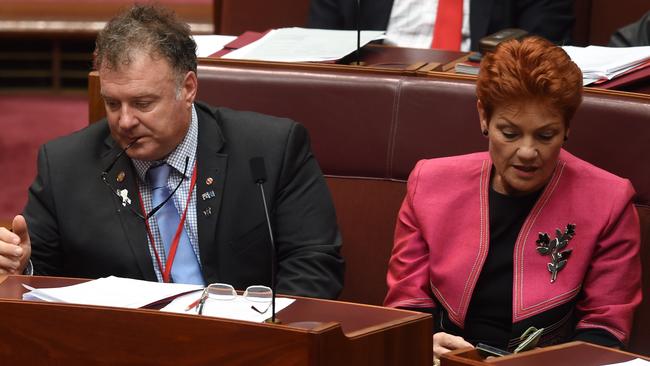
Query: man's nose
[{"x": 127, "y": 119}]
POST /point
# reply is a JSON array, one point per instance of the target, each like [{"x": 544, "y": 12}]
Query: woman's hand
[{"x": 445, "y": 342}]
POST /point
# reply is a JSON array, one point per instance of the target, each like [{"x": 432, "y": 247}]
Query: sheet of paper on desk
[
  {"x": 303, "y": 45},
  {"x": 237, "y": 309},
  {"x": 606, "y": 63},
  {"x": 207, "y": 45},
  {"x": 634, "y": 362},
  {"x": 111, "y": 291}
]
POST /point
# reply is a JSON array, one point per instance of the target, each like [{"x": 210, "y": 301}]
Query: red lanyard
[{"x": 166, "y": 271}]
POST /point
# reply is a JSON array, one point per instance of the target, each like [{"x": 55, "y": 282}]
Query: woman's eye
[
  {"x": 546, "y": 136},
  {"x": 509, "y": 134}
]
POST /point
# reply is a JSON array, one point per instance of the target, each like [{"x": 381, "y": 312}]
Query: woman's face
[{"x": 525, "y": 139}]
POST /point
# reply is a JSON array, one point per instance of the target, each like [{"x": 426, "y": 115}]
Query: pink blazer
[{"x": 442, "y": 239}]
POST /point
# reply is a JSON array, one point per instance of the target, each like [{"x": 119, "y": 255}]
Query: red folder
[
  {"x": 244, "y": 39},
  {"x": 637, "y": 74}
]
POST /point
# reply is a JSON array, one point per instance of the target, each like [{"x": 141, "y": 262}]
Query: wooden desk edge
[
  {"x": 318, "y": 327},
  {"x": 467, "y": 356}
]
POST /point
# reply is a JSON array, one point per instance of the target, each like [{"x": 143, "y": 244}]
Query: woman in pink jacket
[{"x": 525, "y": 234}]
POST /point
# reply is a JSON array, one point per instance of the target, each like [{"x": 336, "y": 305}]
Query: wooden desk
[
  {"x": 314, "y": 332},
  {"x": 567, "y": 354}
]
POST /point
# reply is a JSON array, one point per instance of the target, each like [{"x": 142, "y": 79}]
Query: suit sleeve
[
  {"x": 551, "y": 19},
  {"x": 325, "y": 14},
  {"x": 41, "y": 220},
  {"x": 408, "y": 269},
  {"x": 307, "y": 236},
  {"x": 631, "y": 35},
  {"x": 612, "y": 285}
]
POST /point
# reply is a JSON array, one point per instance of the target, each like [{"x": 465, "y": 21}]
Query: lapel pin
[
  {"x": 209, "y": 181},
  {"x": 124, "y": 193},
  {"x": 553, "y": 248},
  {"x": 207, "y": 195},
  {"x": 207, "y": 211},
  {"x": 120, "y": 177}
]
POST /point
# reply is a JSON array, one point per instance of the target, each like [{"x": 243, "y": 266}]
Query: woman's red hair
[{"x": 532, "y": 69}]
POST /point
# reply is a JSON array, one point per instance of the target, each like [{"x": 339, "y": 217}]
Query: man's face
[
  {"x": 525, "y": 141},
  {"x": 145, "y": 102}
]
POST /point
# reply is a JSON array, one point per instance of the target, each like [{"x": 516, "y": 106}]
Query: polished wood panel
[
  {"x": 314, "y": 332},
  {"x": 85, "y": 18},
  {"x": 567, "y": 354},
  {"x": 96, "y": 110}
]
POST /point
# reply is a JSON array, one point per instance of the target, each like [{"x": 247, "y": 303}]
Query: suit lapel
[
  {"x": 123, "y": 176},
  {"x": 210, "y": 181}
]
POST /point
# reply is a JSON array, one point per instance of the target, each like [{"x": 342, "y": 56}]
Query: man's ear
[{"x": 189, "y": 87}]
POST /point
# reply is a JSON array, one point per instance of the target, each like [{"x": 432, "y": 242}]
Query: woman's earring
[{"x": 485, "y": 133}]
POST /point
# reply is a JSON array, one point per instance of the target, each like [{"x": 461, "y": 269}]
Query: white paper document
[
  {"x": 111, "y": 291},
  {"x": 236, "y": 309},
  {"x": 606, "y": 63},
  {"x": 303, "y": 45},
  {"x": 634, "y": 362},
  {"x": 206, "y": 45}
]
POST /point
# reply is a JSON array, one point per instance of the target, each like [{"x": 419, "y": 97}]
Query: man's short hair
[{"x": 148, "y": 28}]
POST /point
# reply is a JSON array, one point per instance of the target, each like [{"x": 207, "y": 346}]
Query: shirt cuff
[{"x": 29, "y": 269}]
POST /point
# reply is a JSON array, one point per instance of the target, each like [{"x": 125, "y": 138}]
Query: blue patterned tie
[{"x": 186, "y": 267}]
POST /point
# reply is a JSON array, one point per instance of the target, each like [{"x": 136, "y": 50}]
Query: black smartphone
[
  {"x": 486, "y": 350},
  {"x": 489, "y": 43}
]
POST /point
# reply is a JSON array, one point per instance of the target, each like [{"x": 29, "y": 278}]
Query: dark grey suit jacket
[
  {"x": 551, "y": 19},
  {"x": 79, "y": 228}
]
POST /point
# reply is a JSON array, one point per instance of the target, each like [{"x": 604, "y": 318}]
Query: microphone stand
[
  {"x": 258, "y": 172},
  {"x": 273, "y": 252},
  {"x": 358, "y": 21}
]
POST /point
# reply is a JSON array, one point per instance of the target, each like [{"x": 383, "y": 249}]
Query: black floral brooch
[{"x": 546, "y": 246}]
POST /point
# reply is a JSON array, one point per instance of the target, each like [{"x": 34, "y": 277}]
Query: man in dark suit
[
  {"x": 551, "y": 19},
  {"x": 89, "y": 212}
]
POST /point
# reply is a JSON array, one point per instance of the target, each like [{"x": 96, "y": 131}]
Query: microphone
[
  {"x": 358, "y": 21},
  {"x": 258, "y": 172},
  {"x": 117, "y": 157}
]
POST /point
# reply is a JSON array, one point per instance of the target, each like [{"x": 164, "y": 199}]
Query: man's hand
[
  {"x": 445, "y": 342},
  {"x": 15, "y": 247}
]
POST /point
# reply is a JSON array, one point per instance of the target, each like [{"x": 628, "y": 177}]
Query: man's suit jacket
[
  {"x": 551, "y": 19},
  {"x": 79, "y": 228}
]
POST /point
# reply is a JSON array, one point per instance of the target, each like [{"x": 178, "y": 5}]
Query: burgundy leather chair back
[{"x": 369, "y": 129}]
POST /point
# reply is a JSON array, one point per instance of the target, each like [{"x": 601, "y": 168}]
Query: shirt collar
[{"x": 176, "y": 159}]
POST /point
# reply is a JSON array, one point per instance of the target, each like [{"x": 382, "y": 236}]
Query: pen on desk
[{"x": 193, "y": 304}]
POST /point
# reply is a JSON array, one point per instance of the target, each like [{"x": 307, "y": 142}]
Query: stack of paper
[
  {"x": 111, "y": 291},
  {"x": 206, "y": 45},
  {"x": 303, "y": 45},
  {"x": 605, "y": 63}
]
